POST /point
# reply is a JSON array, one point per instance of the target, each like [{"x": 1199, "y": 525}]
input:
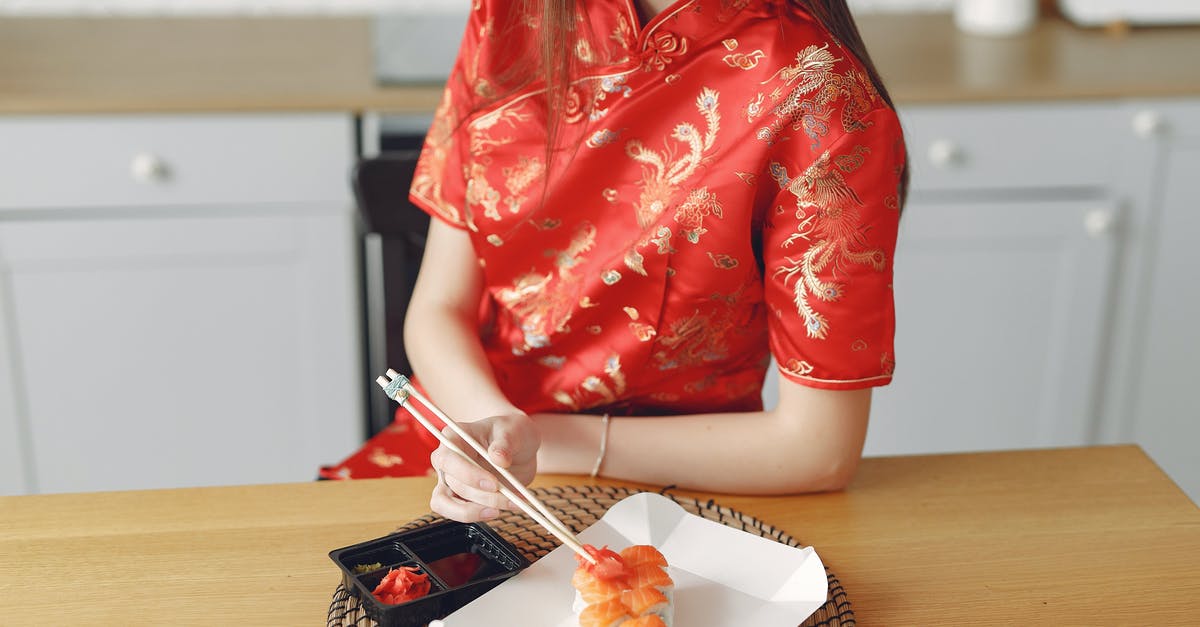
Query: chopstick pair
[{"x": 401, "y": 390}]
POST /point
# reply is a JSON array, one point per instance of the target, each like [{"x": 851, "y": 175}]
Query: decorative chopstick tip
[{"x": 397, "y": 388}]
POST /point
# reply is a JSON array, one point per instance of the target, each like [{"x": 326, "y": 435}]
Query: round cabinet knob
[
  {"x": 148, "y": 168},
  {"x": 946, "y": 154},
  {"x": 1149, "y": 124},
  {"x": 1099, "y": 223}
]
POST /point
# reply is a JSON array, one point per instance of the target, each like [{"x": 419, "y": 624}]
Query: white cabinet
[
  {"x": 1048, "y": 282},
  {"x": 1161, "y": 409},
  {"x": 1000, "y": 313},
  {"x": 1004, "y": 272},
  {"x": 178, "y": 300}
]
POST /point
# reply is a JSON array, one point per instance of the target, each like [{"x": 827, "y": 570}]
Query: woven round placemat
[{"x": 578, "y": 508}]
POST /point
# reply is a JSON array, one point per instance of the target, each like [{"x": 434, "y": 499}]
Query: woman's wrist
[{"x": 570, "y": 443}]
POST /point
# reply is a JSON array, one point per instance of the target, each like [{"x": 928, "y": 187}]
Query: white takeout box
[{"x": 723, "y": 576}]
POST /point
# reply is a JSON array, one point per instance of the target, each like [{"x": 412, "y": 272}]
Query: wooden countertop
[
  {"x": 1074, "y": 536},
  {"x": 98, "y": 65}
]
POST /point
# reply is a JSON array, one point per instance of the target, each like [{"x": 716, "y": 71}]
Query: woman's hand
[{"x": 466, "y": 493}]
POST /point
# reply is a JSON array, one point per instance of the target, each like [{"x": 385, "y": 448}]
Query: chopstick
[{"x": 400, "y": 389}]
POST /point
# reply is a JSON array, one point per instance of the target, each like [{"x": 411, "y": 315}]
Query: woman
[{"x": 716, "y": 182}]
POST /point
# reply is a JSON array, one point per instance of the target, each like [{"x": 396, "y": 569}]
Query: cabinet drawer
[
  {"x": 981, "y": 147},
  {"x": 141, "y": 160}
]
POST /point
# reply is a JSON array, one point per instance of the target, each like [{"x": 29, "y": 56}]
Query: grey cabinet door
[
  {"x": 180, "y": 348},
  {"x": 1001, "y": 313},
  {"x": 1165, "y": 411}
]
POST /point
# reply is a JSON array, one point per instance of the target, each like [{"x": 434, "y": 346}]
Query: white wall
[{"x": 216, "y": 7}]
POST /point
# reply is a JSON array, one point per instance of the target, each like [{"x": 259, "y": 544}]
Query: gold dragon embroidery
[
  {"x": 542, "y": 304},
  {"x": 805, "y": 95},
  {"x": 594, "y": 386}
]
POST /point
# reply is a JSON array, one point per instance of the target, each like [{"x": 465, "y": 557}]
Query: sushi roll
[{"x": 629, "y": 589}]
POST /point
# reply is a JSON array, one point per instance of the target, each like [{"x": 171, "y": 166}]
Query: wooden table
[{"x": 1075, "y": 536}]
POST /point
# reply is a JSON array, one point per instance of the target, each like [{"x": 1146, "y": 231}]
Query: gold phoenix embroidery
[
  {"x": 833, "y": 226},
  {"x": 663, "y": 172}
]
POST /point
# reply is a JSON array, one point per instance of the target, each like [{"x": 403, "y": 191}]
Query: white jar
[{"x": 999, "y": 18}]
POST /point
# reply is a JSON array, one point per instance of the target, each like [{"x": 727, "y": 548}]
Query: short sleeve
[
  {"x": 439, "y": 182},
  {"x": 828, "y": 243}
]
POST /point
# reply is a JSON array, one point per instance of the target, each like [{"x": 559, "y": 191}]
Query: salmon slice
[
  {"x": 640, "y": 554},
  {"x": 643, "y": 600},
  {"x": 604, "y": 614},
  {"x": 593, "y": 589},
  {"x": 649, "y": 575}
]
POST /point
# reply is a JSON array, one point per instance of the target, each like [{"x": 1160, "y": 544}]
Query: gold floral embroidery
[
  {"x": 743, "y": 61},
  {"x": 723, "y": 261},
  {"x": 623, "y": 32},
  {"x": 554, "y": 362},
  {"x": 383, "y": 459},
  {"x": 518, "y": 178},
  {"x": 601, "y": 138},
  {"x": 834, "y": 229},
  {"x": 798, "y": 368},
  {"x": 690, "y": 215},
  {"x": 583, "y": 51},
  {"x": 480, "y": 191},
  {"x": 543, "y": 304},
  {"x": 664, "y": 47},
  {"x": 663, "y": 240},
  {"x": 642, "y": 331},
  {"x": 427, "y": 182},
  {"x": 610, "y": 277}
]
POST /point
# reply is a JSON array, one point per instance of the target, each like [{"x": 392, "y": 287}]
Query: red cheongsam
[{"x": 728, "y": 190}]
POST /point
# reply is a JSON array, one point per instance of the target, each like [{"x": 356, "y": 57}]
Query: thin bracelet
[{"x": 603, "y": 448}]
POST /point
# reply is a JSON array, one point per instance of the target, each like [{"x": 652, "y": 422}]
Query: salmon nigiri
[{"x": 631, "y": 588}]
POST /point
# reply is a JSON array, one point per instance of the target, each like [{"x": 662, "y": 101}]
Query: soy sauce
[{"x": 461, "y": 568}]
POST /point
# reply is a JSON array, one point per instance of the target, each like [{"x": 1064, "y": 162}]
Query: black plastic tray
[{"x": 463, "y": 560}]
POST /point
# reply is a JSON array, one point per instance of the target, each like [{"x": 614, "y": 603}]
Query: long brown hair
[{"x": 556, "y": 62}]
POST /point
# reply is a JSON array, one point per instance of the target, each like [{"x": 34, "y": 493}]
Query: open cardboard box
[{"x": 723, "y": 576}]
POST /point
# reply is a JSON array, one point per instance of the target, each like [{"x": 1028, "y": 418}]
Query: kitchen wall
[{"x": 209, "y": 7}]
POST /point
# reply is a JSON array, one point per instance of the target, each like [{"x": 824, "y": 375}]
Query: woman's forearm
[
  {"x": 745, "y": 453},
  {"x": 447, "y": 358}
]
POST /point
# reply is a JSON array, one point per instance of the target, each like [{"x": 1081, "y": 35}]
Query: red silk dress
[{"x": 729, "y": 191}]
